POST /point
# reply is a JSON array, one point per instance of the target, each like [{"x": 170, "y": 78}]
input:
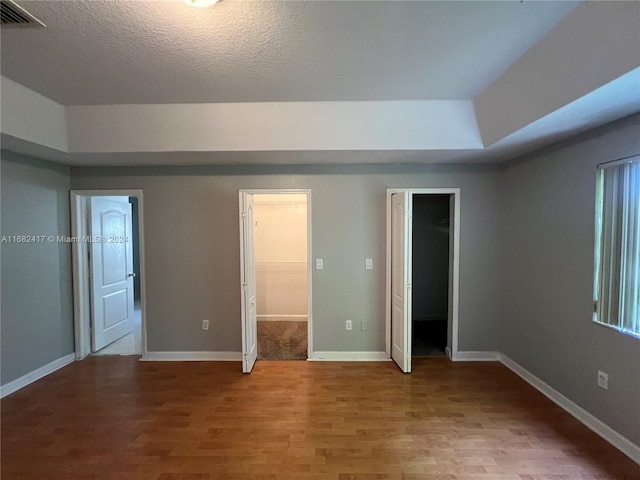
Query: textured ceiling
[{"x": 121, "y": 52}]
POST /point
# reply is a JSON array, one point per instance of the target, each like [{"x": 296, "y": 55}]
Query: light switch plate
[
  {"x": 368, "y": 264},
  {"x": 319, "y": 264}
]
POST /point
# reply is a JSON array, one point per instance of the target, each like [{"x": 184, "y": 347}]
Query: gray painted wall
[
  {"x": 37, "y": 309},
  {"x": 193, "y": 256},
  {"x": 548, "y": 241}
]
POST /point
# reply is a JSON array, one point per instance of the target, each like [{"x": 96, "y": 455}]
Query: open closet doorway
[
  {"x": 108, "y": 271},
  {"x": 276, "y": 289},
  {"x": 430, "y": 274},
  {"x": 423, "y": 228}
]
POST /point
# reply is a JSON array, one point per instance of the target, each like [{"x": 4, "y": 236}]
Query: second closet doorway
[
  {"x": 281, "y": 272},
  {"x": 423, "y": 273},
  {"x": 431, "y": 279}
]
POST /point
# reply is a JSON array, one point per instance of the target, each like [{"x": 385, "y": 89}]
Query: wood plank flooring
[{"x": 116, "y": 418}]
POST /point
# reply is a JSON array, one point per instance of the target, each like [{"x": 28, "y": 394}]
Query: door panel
[
  {"x": 111, "y": 253},
  {"x": 401, "y": 280},
  {"x": 248, "y": 267},
  {"x": 115, "y": 307}
]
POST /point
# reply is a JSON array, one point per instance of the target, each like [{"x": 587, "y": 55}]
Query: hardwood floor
[{"x": 117, "y": 418}]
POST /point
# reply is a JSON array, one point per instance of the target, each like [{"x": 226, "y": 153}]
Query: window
[{"x": 617, "y": 246}]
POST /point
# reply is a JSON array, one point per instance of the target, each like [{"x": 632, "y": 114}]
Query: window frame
[{"x": 598, "y": 246}]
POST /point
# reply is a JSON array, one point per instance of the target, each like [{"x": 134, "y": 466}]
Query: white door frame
[
  {"x": 453, "y": 353},
  {"x": 79, "y": 255},
  {"x": 307, "y": 192}
]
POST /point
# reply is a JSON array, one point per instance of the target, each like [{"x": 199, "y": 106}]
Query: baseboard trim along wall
[
  {"x": 37, "y": 374},
  {"x": 349, "y": 357},
  {"x": 622, "y": 443},
  {"x": 192, "y": 357},
  {"x": 476, "y": 357}
]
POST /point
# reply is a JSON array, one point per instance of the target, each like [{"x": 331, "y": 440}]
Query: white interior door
[
  {"x": 248, "y": 272},
  {"x": 401, "y": 279},
  {"x": 112, "y": 274}
]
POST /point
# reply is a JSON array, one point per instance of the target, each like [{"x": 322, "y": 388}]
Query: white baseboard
[
  {"x": 349, "y": 357},
  {"x": 192, "y": 357},
  {"x": 476, "y": 357},
  {"x": 37, "y": 374},
  {"x": 622, "y": 443}
]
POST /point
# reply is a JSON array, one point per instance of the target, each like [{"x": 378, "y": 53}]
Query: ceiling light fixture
[{"x": 200, "y": 3}]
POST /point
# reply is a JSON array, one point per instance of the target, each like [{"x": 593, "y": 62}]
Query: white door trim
[
  {"x": 81, "y": 284},
  {"x": 453, "y": 354},
  {"x": 307, "y": 192}
]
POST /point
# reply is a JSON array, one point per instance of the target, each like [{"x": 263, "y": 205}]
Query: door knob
[{"x": 132, "y": 274}]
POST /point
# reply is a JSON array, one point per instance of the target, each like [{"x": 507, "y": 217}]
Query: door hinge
[
  {"x": 244, "y": 285},
  {"x": 244, "y": 214},
  {"x": 90, "y": 330}
]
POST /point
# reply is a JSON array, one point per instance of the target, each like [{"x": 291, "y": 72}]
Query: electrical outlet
[
  {"x": 603, "y": 380},
  {"x": 349, "y": 325},
  {"x": 205, "y": 324},
  {"x": 368, "y": 264},
  {"x": 319, "y": 264}
]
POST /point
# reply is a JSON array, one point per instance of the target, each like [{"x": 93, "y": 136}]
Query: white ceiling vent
[{"x": 13, "y": 15}]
